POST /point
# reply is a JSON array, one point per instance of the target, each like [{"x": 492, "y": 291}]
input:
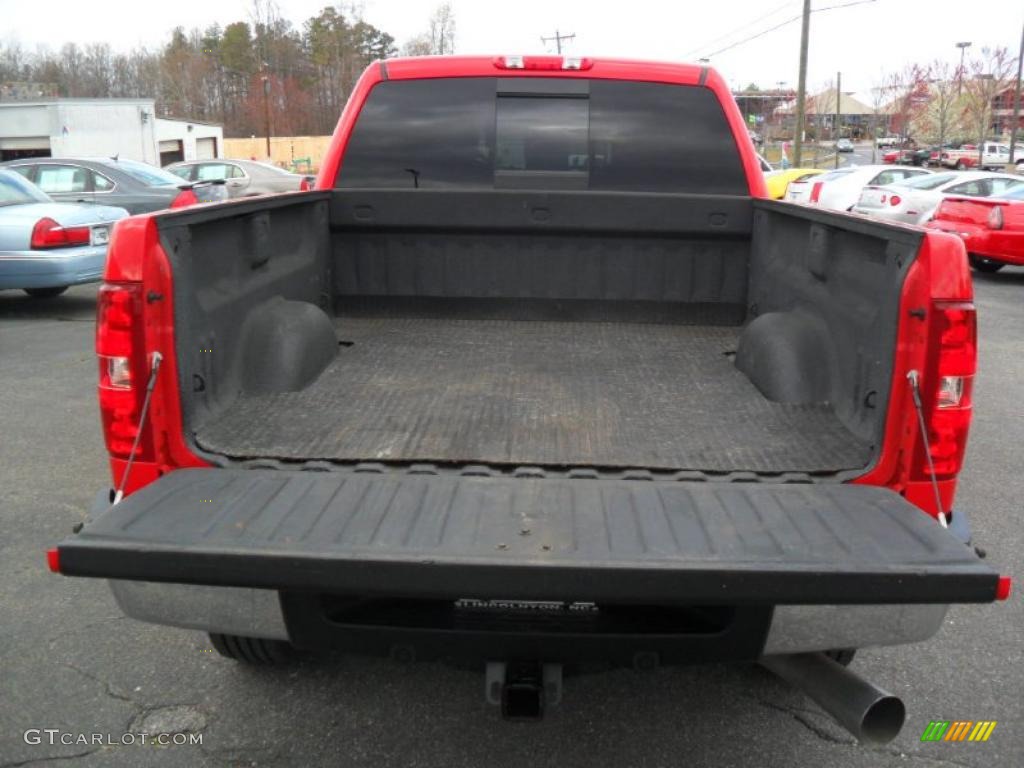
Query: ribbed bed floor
[{"x": 536, "y": 393}]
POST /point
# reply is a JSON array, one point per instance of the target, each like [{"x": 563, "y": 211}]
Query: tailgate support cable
[
  {"x": 915, "y": 392},
  {"x": 119, "y": 493}
]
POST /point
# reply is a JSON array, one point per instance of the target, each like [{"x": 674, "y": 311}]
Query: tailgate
[{"x": 398, "y": 532}]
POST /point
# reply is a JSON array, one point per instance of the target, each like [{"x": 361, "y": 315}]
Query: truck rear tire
[
  {"x": 842, "y": 656},
  {"x": 982, "y": 264},
  {"x": 45, "y": 293},
  {"x": 257, "y": 651}
]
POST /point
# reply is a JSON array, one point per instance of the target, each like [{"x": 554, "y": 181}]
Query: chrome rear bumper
[
  {"x": 794, "y": 628},
  {"x": 804, "y": 628},
  {"x": 227, "y": 610}
]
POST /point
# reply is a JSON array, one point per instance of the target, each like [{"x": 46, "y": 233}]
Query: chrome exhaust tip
[{"x": 871, "y": 714}]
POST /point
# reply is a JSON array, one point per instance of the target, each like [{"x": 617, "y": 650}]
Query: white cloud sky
[{"x": 862, "y": 41}]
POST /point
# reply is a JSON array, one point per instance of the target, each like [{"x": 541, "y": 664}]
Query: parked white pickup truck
[{"x": 994, "y": 157}]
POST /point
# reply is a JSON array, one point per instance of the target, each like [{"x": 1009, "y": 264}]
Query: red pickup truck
[{"x": 536, "y": 376}]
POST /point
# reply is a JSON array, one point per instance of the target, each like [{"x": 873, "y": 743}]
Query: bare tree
[
  {"x": 442, "y": 30},
  {"x": 13, "y": 61},
  {"x": 439, "y": 39},
  {"x": 418, "y": 46},
  {"x": 988, "y": 74},
  {"x": 97, "y": 70},
  {"x": 879, "y": 98},
  {"x": 942, "y": 117},
  {"x": 909, "y": 91}
]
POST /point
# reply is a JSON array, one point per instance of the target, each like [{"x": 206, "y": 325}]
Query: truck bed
[
  {"x": 699, "y": 333},
  {"x": 592, "y": 394}
]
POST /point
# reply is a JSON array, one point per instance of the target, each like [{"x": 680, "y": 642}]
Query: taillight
[
  {"x": 948, "y": 408},
  {"x": 47, "y": 233},
  {"x": 816, "y": 191},
  {"x": 184, "y": 199},
  {"x": 1003, "y": 588},
  {"x": 995, "y": 217},
  {"x": 305, "y": 185},
  {"x": 895, "y": 200},
  {"x": 120, "y": 351}
]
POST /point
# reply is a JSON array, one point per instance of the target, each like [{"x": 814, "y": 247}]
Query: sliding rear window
[{"x": 542, "y": 133}]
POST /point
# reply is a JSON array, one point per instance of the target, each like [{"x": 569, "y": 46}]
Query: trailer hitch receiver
[{"x": 523, "y": 690}]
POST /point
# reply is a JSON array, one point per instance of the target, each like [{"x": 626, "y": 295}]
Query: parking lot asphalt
[
  {"x": 70, "y": 661},
  {"x": 861, "y": 155}
]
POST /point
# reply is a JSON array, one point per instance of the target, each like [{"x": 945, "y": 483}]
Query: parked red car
[{"x": 992, "y": 229}]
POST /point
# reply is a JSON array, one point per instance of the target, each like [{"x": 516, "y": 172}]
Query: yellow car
[{"x": 778, "y": 181}]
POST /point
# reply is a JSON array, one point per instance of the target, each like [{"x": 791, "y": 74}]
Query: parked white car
[
  {"x": 888, "y": 141},
  {"x": 913, "y": 201},
  {"x": 839, "y": 190}
]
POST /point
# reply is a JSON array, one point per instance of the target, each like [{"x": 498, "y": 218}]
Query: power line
[
  {"x": 738, "y": 29},
  {"x": 784, "y": 23}
]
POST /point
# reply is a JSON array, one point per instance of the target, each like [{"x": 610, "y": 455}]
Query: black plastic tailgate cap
[{"x": 453, "y": 536}]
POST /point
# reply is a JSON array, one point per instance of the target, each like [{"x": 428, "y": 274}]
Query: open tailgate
[{"x": 444, "y": 535}]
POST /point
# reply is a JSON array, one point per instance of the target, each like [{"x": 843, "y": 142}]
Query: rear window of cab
[{"x": 542, "y": 133}]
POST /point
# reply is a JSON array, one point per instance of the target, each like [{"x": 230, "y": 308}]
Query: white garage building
[
  {"x": 179, "y": 140},
  {"x": 127, "y": 128}
]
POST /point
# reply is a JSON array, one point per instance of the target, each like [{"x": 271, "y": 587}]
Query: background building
[
  {"x": 1002, "y": 112},
  {"x": 128, "y": 128},
  {"x": 758, "y": 107},
  {"x": 855, "y": 117},
  {"x": 179, "y": 140}
]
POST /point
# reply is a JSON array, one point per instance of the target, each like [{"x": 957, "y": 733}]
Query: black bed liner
[
  {"x": 450, "y": 537},
  {"x": 459, "y": 390}
]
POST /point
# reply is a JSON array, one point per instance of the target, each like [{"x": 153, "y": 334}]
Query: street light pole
[
  {"x": 1015, "y": 116},
  {"x": 960, "y": 73}
]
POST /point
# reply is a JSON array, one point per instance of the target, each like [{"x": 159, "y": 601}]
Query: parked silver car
[
  {"x": 244, "y": 178},
  {"x": 914, "y": 200},
  {"x": 46, "y": 246}
]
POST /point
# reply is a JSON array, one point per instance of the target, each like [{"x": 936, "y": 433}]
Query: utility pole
[
  {"x": 839, "y": 111},
  {"x": 558, "y": 38},
  {"x": 1015, "y": 116},
  {"x": 801, "y": 86},
  {"x": 960, "y": 75}
]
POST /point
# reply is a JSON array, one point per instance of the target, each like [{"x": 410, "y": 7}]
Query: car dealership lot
[{"x": 70, "y": 662}]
